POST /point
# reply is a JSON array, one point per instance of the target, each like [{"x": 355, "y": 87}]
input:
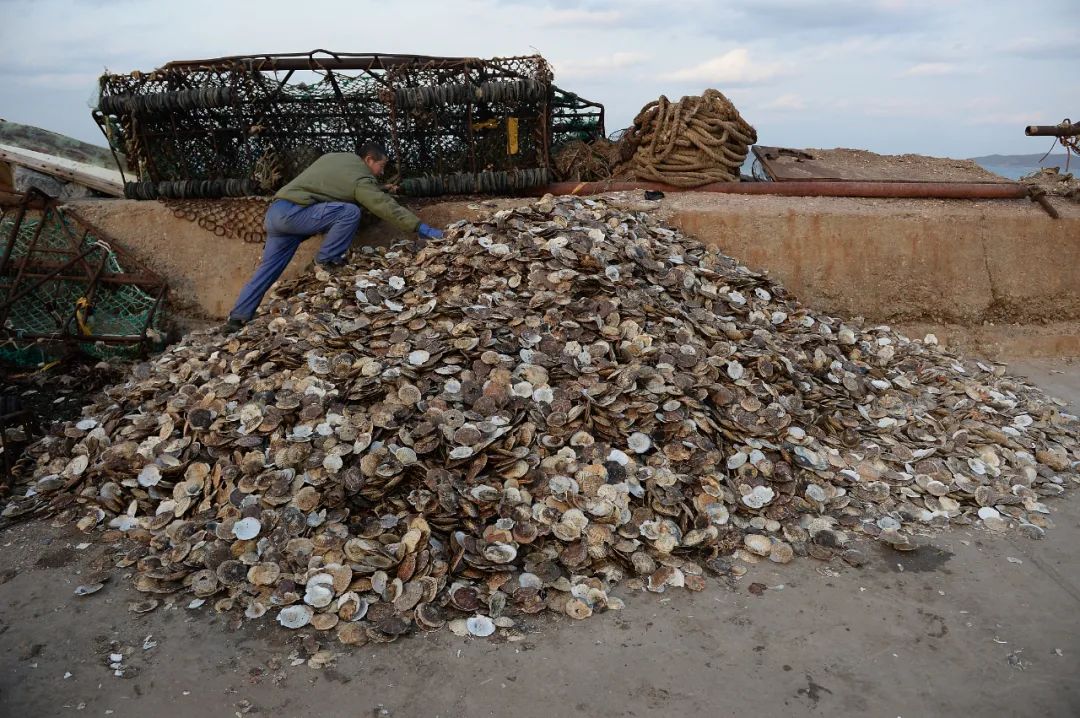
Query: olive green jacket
[{"x": 344, "y": 177}]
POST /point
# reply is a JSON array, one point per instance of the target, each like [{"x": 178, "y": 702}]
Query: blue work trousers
[{"x": 287, "y": 225}]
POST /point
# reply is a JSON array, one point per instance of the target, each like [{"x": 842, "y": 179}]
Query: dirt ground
[
  {"x": 969, "y": 624},
  {"x": 853, "y": 164}
]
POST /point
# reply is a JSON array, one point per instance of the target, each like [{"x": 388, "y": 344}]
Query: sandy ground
[
  {"x": 852, "y": 164},
  {"x": 970, "y": 624}
]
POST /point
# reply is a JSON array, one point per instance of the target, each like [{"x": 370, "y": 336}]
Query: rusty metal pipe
[
  {"x": 1061, "y": 130},
  {"x": 71, "y": 338},
  {"x": 325, "y": 61},
  {"x": 892, "y": 190}
]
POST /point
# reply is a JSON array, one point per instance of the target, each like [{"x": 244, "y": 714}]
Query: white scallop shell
[
  {"x": 758, "y": 497},
  {"x": 246, "y": 529},
  {"x": 481, "y": 626},
  {"x": 149, "y": 476},
  {"x": 295, "y": 616},
  {"x": 639, "y": 443}
]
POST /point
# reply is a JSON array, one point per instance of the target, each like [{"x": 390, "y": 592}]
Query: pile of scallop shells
[{"x": 550, "y": 403}]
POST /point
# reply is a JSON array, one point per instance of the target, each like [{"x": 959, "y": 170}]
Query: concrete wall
[
  {"x": 206, "y": 272},
  {"x": 950, "y": 265},
  {"x": 953, "y": 261}
]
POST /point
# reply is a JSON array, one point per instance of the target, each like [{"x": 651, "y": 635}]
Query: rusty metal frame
[
  {"x": 169, "y": 120},
  {"x": 34, "y": 269}
]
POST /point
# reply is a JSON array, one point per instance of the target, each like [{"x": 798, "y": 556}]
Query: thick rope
[{"x": 693, "y": 142}]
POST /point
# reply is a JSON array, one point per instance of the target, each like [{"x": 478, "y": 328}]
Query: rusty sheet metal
[{"x": 783, "y": 164}]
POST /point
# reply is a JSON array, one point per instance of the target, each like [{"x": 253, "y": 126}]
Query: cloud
[
  {"x": 881, "y": 17},
  {"x": 1042, "y": 48},
  {"x": 932, "y": 69},
  {"x": 786, "y": 103},
  {"x": 1017, "y": 120},
  {"x": 894, "y": 107},
  {"x": 578, "y": 16},
  {"x": 816, "y": 54},
  {"x": 596, "y": 66},
  {"x": 734, "y": 67},
  {"x": 60, "y": 80}
]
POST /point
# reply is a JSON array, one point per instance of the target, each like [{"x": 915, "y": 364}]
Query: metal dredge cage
[
  {"x": 239, "y": 126},
  {"x": 62, "y": 284}
]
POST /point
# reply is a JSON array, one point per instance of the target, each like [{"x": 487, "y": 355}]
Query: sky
[{"x": 956, "y": 78}]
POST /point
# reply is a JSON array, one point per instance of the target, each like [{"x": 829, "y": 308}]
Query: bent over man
[{"x": 324, "y": 198}]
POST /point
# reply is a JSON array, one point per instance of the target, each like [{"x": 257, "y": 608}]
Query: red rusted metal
[
  {"x": 73, "y": 262},
  {"x": 85, "y": 338},
  {"x": 897, "y": 190},
  {"x": 326, "y": 60}
]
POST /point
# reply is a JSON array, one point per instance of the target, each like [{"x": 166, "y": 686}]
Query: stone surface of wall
[
  {"x": 206, "y": 272},
  {"x": 963, "y": 263},
  {"x": 955, "y": 261}
]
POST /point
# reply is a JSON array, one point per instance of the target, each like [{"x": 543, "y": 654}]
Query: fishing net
[
  {"x": 89, "y": 298},
  {"x": 243, "y": 126}
]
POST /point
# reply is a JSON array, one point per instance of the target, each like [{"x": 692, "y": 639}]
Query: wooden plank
[{"x": 104, "y": 180}]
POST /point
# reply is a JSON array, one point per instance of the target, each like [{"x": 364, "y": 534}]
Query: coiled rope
[{"x": 695, "y": 141}]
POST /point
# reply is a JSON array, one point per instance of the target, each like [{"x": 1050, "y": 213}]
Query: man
[{"x": 324, "y": 198}]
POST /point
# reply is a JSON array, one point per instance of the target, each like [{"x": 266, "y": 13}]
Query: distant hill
[
  {"x": 34, "y": 138},
  {"x": 1055, "y": 160},
  {"x": 1016, "y": 166}
]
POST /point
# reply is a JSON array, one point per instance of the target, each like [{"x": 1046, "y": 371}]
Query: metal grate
[
  {"x": 62, "y": 284},
  {"x": 246, "y": 125}
]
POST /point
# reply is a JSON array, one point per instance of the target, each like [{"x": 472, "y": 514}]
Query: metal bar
[
  {"x": 47, "y": 250},
  {"x": 92, "y": 289},
  {"x": 124, "y": 279},
  {"x": 912, "y": 190},
  {"x": 148, "y": 156},
  {"x": 19, "y": 217},
  {"x": 70, "y": 338},
  {"x": 100, "y": 119},
  {"x": 546, "y": 133},
  {"x": 343, "y": 104},
  {"x": 6, "y": 306},
  {"x": 378, "y": 78},
  {"x": 8, "y": 301},
  {"x": 76, "y": 244},
  {"x": 12, "y": 200},
  {"x": 471, "y": 132},
  {"x": 1039, "y": 197},
  {"x": 150, "y": 316},
  {"x": 305, "y": 61},
  {"x": 272, "y": 100},
  {"x": 1065, "y": 129}
]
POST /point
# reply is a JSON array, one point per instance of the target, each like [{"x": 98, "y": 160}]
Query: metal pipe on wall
[{"x": 892, "y": 190}]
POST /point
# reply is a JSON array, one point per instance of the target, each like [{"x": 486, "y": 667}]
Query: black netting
[{"x": 242, "y": 126}]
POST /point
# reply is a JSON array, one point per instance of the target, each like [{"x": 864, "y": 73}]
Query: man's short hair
[{"x": 373, "y": 150}]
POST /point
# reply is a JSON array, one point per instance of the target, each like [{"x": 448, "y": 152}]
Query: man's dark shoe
[
  {"x": 234, "y": 324},
  {"x": 334, "y": 266}
]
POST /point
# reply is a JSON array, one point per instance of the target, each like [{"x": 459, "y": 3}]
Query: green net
[{"x": 42, "y": 320}]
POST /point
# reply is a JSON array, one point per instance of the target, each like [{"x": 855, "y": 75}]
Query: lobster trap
[
  {"x": 245, "y": 125},
  {"x": 63, "y": 285}
]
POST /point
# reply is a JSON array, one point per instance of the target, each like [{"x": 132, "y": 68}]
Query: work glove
[{"x": 427, "y": 232}]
